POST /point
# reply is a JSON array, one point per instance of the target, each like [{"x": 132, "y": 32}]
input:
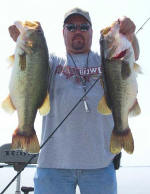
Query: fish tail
[
  {"x": 121, "y": 140},
  {"x": 28, "y": 143}
]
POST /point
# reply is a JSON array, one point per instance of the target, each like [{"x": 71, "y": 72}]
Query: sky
[{"x": 103, "y": 12}]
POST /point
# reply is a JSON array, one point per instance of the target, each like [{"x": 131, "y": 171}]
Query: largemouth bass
[
  {"x": 120, "y": 86},
  {"x": 28, "y": 84}
]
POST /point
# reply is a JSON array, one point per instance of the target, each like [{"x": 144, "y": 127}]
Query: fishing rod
[
  {"x": 5, "y": 165},
  {"x": 61, "y": 122},
  {"x": 142, "y": 25}
]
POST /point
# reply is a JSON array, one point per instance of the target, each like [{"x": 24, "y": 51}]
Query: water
[{"x": 131, "y": 180}]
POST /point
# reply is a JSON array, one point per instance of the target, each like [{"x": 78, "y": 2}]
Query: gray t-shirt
[{"x": 82, "y": 141}]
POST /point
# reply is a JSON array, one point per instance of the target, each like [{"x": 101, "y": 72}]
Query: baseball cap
[{"x": 77, "y": 11}]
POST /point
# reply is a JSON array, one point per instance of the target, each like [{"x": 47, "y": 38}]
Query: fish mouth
[
  {"x": 106, "y": 30},
  {"x": 32, "y": 25},
  {"x": 23, "y": 28},
  {"x": 27, "y": 24}
]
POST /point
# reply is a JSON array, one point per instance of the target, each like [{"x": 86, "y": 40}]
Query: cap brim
[{"x": 76, "y": 14}]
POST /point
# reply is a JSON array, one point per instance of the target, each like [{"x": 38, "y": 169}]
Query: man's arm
[
  {"x": 127, "y": 27},
  {"x": 135, "y": 45}
]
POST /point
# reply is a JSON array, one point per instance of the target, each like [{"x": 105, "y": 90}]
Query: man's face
[{"x": 77, "y": 41}]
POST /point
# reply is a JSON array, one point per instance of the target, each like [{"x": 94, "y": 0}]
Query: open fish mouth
[
  {"x": 26, "y": 29},
  {"x": 106, "y": 30},
  {"x": 32, "y": 25},
  {"x": 27, "y": 25}
]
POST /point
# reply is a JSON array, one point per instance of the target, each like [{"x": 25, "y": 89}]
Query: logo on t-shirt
[{"x": 85, "y": 73}]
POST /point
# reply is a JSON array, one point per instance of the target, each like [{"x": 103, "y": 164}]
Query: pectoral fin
[
  {"x": 125, "y": 70},
  {"x": 45, "y": 108},
  {"x": 8, "y": 106},
  {"x": 22, "y": 61},
  {"x": 11, "y": 60},
  {"x": 135, "y": 110},
  {"x": 103, "y": 107},
  {"x": 137, "y": 68}
]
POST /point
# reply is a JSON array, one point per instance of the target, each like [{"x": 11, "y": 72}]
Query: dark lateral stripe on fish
[{"x": 120, "y": 55}]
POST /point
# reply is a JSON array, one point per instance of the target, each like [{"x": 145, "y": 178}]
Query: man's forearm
[
  {"x": 136, "y": 48},
  {"x": 132, "y": 38}
]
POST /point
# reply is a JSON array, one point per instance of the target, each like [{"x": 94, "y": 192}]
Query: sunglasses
[{"x": 74, "y": 27}]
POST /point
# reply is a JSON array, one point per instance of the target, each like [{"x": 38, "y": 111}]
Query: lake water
[{"x": 131, "y": 180}]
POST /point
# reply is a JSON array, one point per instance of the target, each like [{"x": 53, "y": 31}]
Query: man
[{"x": 78, "y": 152}]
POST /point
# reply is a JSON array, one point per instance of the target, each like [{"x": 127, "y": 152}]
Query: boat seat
[{"x": 26, "y": 190}]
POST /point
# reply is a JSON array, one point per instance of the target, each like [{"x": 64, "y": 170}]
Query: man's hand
[
  {"x": 127, "y": 27},
  {"x": 14, "y": 32}
]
